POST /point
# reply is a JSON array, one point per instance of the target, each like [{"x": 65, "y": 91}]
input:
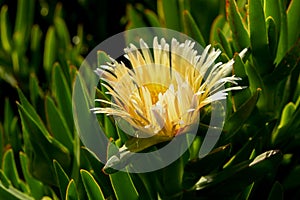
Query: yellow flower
[{"x": 164, "y": 88}]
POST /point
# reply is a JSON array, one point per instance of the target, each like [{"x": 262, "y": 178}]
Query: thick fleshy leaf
[
  {"x": 100, "y": 177},
  {"x": 171, "y": 14},
  {"x": 289, "y": 62},
  {"x": 62, "y": 178},
  {"x": 293, "y": 21},
  {"x": 62, "y": 94},
  {"x": 62, "y": 32},
  {"x": 152, "y": 18},
  {"x": 49, "y": 51},
  {"x": 12, "y": 193},
  {"x": 92, "y": 189},
  {"x": 123, "y": 186},
  {"x": 240, "y": 34},
  {"x": 272, "y": 36},
  {"x": 10, "y": 169},
  {"x": 196, "y": 168},
  {"x": 217, "y": 24},
  {"x": 36, "y": 187},
  {"x": 258, "y": 38},
  {"x": 71, "y": 193},
  {"x": 234, "y": 179},
  {"x": 4, "y": 30},
  {"x": 191, "y": 28},
  {"x": 276, "y": 192},
  {"x": 57, "y": 124},
  {"x": 283, "y": 35},
  {"x": 235, "y": 122}
]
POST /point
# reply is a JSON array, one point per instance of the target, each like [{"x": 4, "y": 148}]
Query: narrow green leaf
[
  {"x": 152, "y": 18},
  {"x": 236, "y": 178},
  {"x": 35, "y": 90},
  {"x": 272, "y": 9},
  {"x": 291, "y": 180},
  {"x": 289, "y": 62},
  {"x": 92, "y": 188},
  {"x": 57, "y": 124},
  {"x": 258, "y": 37},
  {"x": 71, "y": 193},
  {"x": 13, "y": 194},
  {"x": 225, "y": 43},
  {"x": 196, "y": 168},
  {"x": 4, "y": 180},
  {"x": 283, "y": 35},
  {"x": 135, "y": 17},
  {"x": 272, "y": 36},
  {"x": 36, "y": 187},
  {"x": 191, "y": 28},
  {"x": 235, "y": 122},
  {"x": 240, "y": 34},
  {"x": 123, "y": 186},
  {"x": 5, "y": 30},
  {"x": 218, "y": 23},
  {"x": 62, "y": 94},
  {"x": 35, "y": 46},
  {"x": 40, "y": 144},
  {"x": 293, "y": 21},
  {"x": 10, "y": 169},
  {"x": 240, "y": 96},
  {"x": 277, "y": 192},
  {"x": 62, "y": 33},
  {"x": 49, "y": 51},
  {"x": 62, "y": 178},
  {"x": 171, "y": 14},
  {"x": 100, "y": 177}
]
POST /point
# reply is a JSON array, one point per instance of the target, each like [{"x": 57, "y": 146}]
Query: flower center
[{"x": 155, "y": 89}]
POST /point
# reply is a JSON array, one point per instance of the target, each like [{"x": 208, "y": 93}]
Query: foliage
[{"x": 256, "y": 157}]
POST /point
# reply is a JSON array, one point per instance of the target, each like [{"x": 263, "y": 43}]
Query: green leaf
[
  {"x": 289, "y": 62},
  {"x": 24, "y": 21},
  {"x": 62, "y": 178},
  {"x": 4, "y": 30},
  {"x": 239, "y": 70},
  {"x": 101, "y": 178},
  {"x": 62, "y": 94},
  {"x": 36, "y": 187},
  {"x": 234, "y": 179},
  {"x": 41, "y": 146},
  {"x": 152, "y": 18},
  {"x": 225, "y": 43},
  {"x": 293, "y": 21},
  {"x": 283, "y": 35},
  {"x": 35, "y": 90},
  {"x": 49, "y": 51},
  {"x": 135, "y": 18},
  {"x": 276, "y": 192},
  {"x": 62, "y": 33},
  {"x": 4, "y": 180},
  {"x": 13, "y": 194},
  {"x": 57, "y": 124},
  {"x": 71, "y": 192},
  {"x": 10, "y": 169},
  {"x": 123, "y": 186},
  {"x": 291, "y": 180},
  {"x": 93, "y": 190},
  {"x": 272, "y": 36},
  {"x": 171, "y": 14},
  {"x": 272, "y": 9},
  {"x": 239, "y": 31},
  {"x": 35, "y": 46},
  {"x": 191, "y": 28},
  {"x": 217, "y": 24},
  {"x": 258, "y": 37},
  {"x": 196, "y": 168},
  {"x": 236, "y": 121}
]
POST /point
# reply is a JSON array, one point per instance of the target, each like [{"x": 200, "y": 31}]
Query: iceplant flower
[{"x": 165, "y": 87}]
